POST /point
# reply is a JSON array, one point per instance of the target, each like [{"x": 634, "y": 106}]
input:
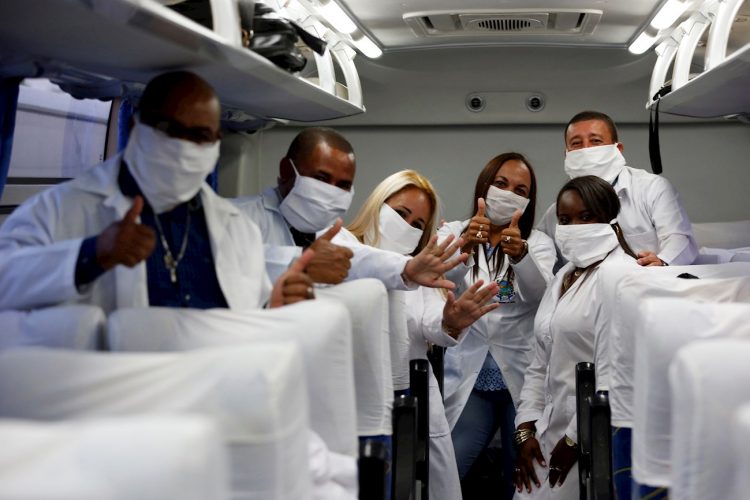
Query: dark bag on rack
[{"x": 275, "y": 37}]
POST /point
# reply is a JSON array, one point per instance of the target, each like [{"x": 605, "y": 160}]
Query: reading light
[
  {"x": 669, "y": 13},
  {"x": 368, "y": 47},
  {"x": 642, "y": 43},
  {"x": 339, "y": 19}
]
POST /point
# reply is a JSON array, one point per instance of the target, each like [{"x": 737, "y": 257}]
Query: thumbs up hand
[
  {"x": 294, "y": 285},
  {"x": 478, "y": 230},
  {"x": 331, "y": 262},
  {"x": 126, "y": 241},
  {"x": 510, "y": 239}
]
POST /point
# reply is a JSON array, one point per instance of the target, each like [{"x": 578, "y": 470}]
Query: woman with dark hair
[
  {"x": 484, "y": 372},
  {"x": 589, "y": 238}
]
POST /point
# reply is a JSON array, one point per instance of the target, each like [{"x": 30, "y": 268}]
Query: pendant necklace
[{"x": 170, "y": 262}]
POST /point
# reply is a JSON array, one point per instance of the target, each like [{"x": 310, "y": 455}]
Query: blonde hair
[{"x": 367, "y": 221}]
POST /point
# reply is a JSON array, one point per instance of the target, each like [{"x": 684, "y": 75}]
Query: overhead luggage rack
[
  {"x": 104, "y": 47},
  {"x": 720, "y": 91}
]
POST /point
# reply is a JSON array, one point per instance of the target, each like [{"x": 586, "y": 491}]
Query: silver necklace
[{"x": 169, "y": 261}]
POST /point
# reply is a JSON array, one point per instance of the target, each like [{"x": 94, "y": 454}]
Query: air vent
[{"x": 498, "y": 23}]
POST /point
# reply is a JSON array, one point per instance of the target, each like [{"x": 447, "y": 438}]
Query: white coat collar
[{"x": 271, "y": 199}]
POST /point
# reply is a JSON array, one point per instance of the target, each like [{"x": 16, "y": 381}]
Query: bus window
[{"x": 56, "y": 137}]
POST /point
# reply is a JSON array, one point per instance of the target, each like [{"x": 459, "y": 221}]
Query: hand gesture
[
  {"x": 126, "y": 241},
  {"x": 331, "y": 262},
  {"x": 429, "y": 265},
  {"x": 478, "y": 230},
  {"x": 649, "y": 259},
  {"x": 525, "y": 472},
  {"x": 510, "y": 238},
  {"x": 561, "y": 460},
  {"x": 470, "y": 306},
  {"x": 294, "y": 285}
]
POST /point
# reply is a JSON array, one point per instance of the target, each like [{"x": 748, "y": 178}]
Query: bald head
[
  {"x": 306, "y": 141},
  {"x": 320, "y": 153},
  {"x": 183, "y": 105}
]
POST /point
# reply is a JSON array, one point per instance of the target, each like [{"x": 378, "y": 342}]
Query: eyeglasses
[{"x": 177, "y": 130}]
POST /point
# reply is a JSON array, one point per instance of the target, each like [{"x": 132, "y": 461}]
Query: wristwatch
[{"x": 570, "y": 442}]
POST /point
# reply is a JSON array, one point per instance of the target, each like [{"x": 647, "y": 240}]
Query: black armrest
[
  {"x": 601, "y": 447},
  {"x": 585, "y": 387},
  {"x": 404, "y": 447},
  {"x": 372, "y": 470},
  {"x": 420, "y": 388},
  {"x": 436, "y": 357}
]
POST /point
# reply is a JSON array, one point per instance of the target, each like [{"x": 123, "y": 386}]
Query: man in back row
[{"x": 652, "y": 218}]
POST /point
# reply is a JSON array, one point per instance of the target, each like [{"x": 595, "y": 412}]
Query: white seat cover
[
  {"x": 322, "y": 330},
  {"x": 256, "y": 393},
  {"x": 622, "y": 290},
  {"x": 663, "y": 326},
  {"x": 708, "y": 382},
  {"x": 741, "y": 444},
  {"x": 144, "y": 458},
  {"x": 72, "y": 327}
]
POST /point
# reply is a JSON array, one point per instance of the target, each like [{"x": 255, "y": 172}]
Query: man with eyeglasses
[{"x": 144, "y": 228}]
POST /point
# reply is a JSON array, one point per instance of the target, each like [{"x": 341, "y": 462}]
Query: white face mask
[
  {"x": 584, "y": 244},
  {"x": 396, "y": 235},
  {"x": 605, "y": 162},
  {"x": 501, "y": 205},
  {"x": 313, "y": 205},
  {"x": 169, "y": 171}
]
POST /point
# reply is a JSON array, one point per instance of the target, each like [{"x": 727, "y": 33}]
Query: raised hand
[
  {"x": 428, "y": 266},
  {"x": 510, "y": 238},
  {"x": 470, "y": 306},
  {"x": 294, "y": 285},
  {"x": 331, "y": 262},
  {"x": 126, "y": 241},
  {"x": 478, "y": 230}
]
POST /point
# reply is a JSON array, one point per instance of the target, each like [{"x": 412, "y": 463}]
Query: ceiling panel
[{"x": 384, "y": 20}]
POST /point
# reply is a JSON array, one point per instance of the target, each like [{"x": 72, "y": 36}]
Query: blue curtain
[
  {"x": 123, "y": 123},
  {"x": 8, "y": 105}
]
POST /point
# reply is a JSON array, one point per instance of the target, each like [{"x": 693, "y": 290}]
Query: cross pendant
[{"x": 171, "y": 265}]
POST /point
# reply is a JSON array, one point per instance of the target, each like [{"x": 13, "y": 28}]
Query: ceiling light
[
  {"x": 642, "y": 43},
  {"x": 336, "y": 16},
  {"x": 368, "y": 47},
  {"x": 669, "y": 13}
]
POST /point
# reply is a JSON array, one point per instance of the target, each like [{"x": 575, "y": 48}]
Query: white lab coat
[
  {"x": 40, "y": 242},
  {"x": 424, "y": 321},
  {"x": 564, "y": 331},
  {"x": 507, "y": 332},
  {"x": 281, "y": 250},
  {"x": 651, "y": 216}
]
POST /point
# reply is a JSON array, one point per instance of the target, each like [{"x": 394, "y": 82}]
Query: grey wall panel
[{"x": 707, "y": 162}]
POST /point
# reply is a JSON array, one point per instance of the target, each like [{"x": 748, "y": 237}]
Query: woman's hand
[
  {"x": 528, "y": 451},
  {"x": 428, "y": 266},
  {"x": 478, "y": 230},
  {"x": 563, "y": 459},
  {"x": 511, "y": 240},
  {"x": 470, "y": 306}
]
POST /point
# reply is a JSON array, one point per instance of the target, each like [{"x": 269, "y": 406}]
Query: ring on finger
[
  {"x": 481, "y": 227},
  {"x": 479, "y": 235},
  {"x": 506, "y": 239},
  {"x": 310, "y": 292}
]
